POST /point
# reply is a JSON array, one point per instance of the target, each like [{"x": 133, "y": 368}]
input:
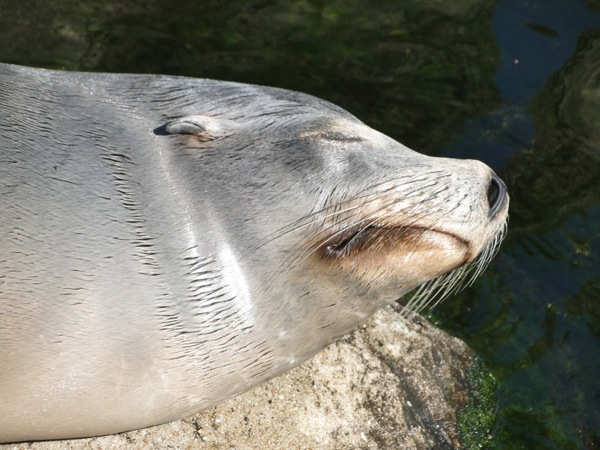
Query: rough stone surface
[{"x": 392, "y": 384}]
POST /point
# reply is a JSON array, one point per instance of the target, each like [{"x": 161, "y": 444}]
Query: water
[
  {"x": 535, "y": 319},
  {"x": 514, "y": 83}
]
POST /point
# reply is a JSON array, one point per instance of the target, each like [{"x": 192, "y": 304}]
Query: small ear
[{"x": 204, "y": 127}]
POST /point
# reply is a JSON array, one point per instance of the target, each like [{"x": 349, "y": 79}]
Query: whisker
[
  {"x": 415, "y": 214},
  {"x": 437, "y": 289},
  {"x": 356, "y": 213},
  {"x": 324, "y": 213}
]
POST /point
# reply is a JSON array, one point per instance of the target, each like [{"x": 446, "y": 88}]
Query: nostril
[{"x": 496, "y": 194}]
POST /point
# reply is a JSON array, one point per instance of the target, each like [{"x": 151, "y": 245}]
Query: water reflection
[{"x": 536, "y": 318}]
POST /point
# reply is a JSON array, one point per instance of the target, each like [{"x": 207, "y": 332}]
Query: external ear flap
[
  {"x": 195, "y": 124},
  {"x": 204, "y": 128}
]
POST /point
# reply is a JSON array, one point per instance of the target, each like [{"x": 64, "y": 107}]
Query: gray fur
[{"x": 166, "y": 242}]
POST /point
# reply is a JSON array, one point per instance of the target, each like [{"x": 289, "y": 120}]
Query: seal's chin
[{"x": 410, "y": 255}]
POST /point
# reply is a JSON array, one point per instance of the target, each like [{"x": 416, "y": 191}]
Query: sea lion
[{"x": 167, "y": 243}]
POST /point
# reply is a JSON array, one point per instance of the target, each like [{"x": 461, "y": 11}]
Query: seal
[{"x": 167, "y": 243}]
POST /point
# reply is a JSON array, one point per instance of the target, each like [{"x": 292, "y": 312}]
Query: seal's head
[{"x": 347, "y": 218}]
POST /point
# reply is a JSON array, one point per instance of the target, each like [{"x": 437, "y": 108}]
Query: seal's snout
[{"x": 496, "y": 195}]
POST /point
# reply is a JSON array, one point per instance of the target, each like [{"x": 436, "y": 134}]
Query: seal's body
[{"x": 167, "y": 243}]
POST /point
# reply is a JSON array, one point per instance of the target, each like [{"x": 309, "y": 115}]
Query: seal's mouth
[
  {"x": 404, "y": 254},
  {"x": 359, "y": 239},
  {"x": 411, "y": 255}
]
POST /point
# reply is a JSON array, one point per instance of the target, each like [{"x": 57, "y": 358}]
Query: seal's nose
[{"x": 496, "y": 194}]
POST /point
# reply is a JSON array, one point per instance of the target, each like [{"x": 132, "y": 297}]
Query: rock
[{"x": 394, "y": 383}]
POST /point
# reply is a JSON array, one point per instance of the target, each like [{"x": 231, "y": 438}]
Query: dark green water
[
  {"x": 535, "y": 316},
  {"x": 514, "y": 83}
]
